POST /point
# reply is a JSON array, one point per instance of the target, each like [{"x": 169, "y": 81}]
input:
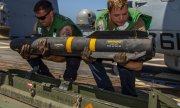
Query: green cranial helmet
[{"x": 85, "y": 17}]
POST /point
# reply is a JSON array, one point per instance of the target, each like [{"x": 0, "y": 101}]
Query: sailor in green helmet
[
  {"x": 118, "y": 17},
  {"x": 51, "y": 24}
]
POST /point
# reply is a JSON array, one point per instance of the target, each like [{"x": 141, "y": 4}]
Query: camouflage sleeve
[
  {"x": 140, "y": 25},
  {"x": 99, "y": 26},
  {"x": 66, "y": 31}
]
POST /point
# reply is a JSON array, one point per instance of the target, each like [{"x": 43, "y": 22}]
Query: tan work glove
[
  {"x": 86, "y": 56},
  {"x": 43, "y": 47},
  {"x": 120, "y": 58},
  {"x": 26, "y": 52}
]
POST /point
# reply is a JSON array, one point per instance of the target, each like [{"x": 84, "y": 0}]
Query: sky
[{"x": 70, "y": 8}]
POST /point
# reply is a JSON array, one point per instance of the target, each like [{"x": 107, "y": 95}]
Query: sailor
[
  {"x": 118, "y": 17},
  {"x": 51, "y": 24}
]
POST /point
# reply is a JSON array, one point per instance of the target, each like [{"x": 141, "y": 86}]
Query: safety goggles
[{"x": 43, "y": 17}]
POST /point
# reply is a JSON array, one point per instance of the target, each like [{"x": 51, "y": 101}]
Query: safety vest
[
  {"x": 134, "y": 15},
  {"x": 59, "y": 22}
]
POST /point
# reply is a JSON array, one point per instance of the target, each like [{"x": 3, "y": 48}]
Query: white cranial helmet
[{"x": 85, "y": 17}]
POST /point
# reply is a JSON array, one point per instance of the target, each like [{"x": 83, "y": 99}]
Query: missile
[{"x": 137, "y": 47}]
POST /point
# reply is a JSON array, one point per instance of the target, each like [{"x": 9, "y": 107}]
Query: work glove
[
  {"x": 86, "y": 56},
  {"x": 120, "y": 58},
  {"x": 44, "y": 47},
  {"x": 26, "y": 52}
]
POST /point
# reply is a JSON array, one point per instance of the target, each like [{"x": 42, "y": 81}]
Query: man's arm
[
  {"x": 132, "y": 65},
  {"x": 140, "y": 25},
  {"x": 66, "y": 31}
]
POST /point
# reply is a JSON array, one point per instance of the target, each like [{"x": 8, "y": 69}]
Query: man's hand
[
  {"x": 43, "y": 47},
  {"x": 86, "y": 56},
  {"x": 26, "y": 52},
  {"x": 121, "y": 58}
]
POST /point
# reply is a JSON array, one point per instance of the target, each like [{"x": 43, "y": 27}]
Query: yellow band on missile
[
  {"x": 92, "y": 44},
  {"x": 68, "y": 44}
]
